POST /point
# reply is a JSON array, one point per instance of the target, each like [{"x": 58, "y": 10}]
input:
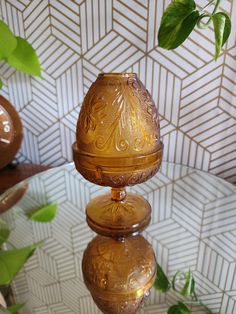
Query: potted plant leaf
[
  {"x": 13, "y": 259},
  {"x": 17, "y": 52},
  {"x": 182, "y": 16}
]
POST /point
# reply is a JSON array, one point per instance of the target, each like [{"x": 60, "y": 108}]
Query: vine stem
[
  {"x": 200, "y": 23},
  {"x": 198, "y": 302},
  {"x": 208, "y": 311}
]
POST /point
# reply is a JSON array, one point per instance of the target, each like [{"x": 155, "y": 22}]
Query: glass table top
[{"x": 193, "y": 227}]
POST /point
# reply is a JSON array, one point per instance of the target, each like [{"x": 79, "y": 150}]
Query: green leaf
[
  {"x": 12, "y": 261},
  {"x": 7, "y": 40},
  {"x": 227, "y": 29},
  {"x": 4, "y": 234},
  {"x": 161, "y": 283},
  {"x": 0, "y": 84},
  {"x": 222, "y": 28},
  {"x": 15, "y": 308},
  {"x": 189, "y": 285},
  {"x": 177, "y": 23},
  {"x": 44, "y": 214},
  {"x": 24, "y": 58},
  {"x": 179, "y": 308}
]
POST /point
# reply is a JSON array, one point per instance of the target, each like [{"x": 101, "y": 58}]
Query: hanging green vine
[
  {"x": 163, "y": 285},
  {"x": 182, "y": 16}
]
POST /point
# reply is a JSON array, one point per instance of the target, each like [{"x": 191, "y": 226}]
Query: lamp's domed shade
[{"x": 118, "y": 133}]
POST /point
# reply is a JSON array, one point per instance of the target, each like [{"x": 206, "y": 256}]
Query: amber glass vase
[{"x": 118, "y": 145}]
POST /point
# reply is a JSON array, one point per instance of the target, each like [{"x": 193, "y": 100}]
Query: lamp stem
[{"x": 118, "y": 194}]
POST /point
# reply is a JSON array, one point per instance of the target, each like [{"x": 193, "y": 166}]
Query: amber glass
[
  {"x": 118, "y": 134},
  {"x": 117, "y": 145},
  {"x": 118, "y": 218},
  {"x": 119, "y": 273},
  {"x": 11, "y": 132}
]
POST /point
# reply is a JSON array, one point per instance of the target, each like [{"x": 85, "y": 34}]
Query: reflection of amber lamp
[{"x": 117, "y": 145}]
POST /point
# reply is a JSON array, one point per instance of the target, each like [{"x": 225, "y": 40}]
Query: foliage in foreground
[
  {"x": 163, "y": 284},
  {"x": 182, "y": 16},
  {"x": 11, "y": 261},
  {"x": 17, "y": 52}
]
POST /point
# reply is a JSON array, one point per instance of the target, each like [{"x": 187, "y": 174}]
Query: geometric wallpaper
[
  {"x": 192, "y": 227},
  {"x": 76, "y": 40}
]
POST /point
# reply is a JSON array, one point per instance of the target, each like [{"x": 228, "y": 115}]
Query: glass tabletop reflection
[{"x": 193, "y": 227}]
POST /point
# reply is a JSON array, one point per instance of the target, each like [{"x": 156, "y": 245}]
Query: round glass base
[{"x": 118, "y": 218}]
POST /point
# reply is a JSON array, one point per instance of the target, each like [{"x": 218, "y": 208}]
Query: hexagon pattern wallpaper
[{"x": 75, "y": 40}]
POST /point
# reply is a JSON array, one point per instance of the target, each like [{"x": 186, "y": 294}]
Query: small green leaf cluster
[
  {"x": 10, "y": 264},
  {"x": 17, "y": 52},
  {"x": 14, "y": 308},
  {"x": 11, "y": 261},
  {"x": 44, "y": 214},
  {"x": 163, "y": 284},
  {"x": 181, "y": 17}
]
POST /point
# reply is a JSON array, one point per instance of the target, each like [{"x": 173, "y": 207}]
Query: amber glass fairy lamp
[{"x": 118, "y": 145}]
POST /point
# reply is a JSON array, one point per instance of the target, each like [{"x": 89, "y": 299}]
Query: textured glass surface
[
  {"x": 118, "y": 132},
  {"x": 192, "y": 226},
  {"x": 113, "y": 218}
]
